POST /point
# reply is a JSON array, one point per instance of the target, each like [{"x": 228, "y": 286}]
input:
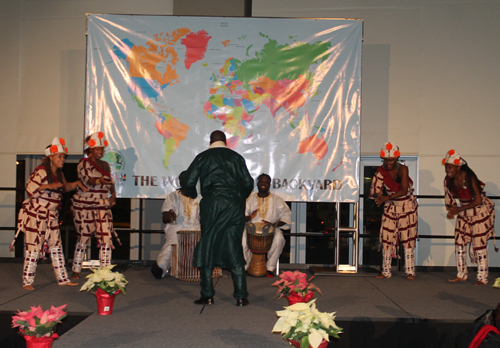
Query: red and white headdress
[
  {"x": 97, "y": 140},
  {"x": 56, "y": 147},
  {"x": 390, "y": 150},
  {"x": 453, "y": 157}
]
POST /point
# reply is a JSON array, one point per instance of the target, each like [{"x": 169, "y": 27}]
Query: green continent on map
[
  {"x": 279, "y": 77},
  {"x": 279, "y": 62},
  {"x": 173, "y": 131}
]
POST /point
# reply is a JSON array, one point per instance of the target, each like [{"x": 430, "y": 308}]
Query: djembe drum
[
  {"x": 182, "y": 257},
  {"x": 259, "y": 238}
]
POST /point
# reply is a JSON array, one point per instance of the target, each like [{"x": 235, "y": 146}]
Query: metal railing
[{"x": 340, "y": 231}]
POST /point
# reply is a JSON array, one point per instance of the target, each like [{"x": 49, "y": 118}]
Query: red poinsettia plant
[
  {"x": 295, "y": 284},
  {"x": 37, "y": 322}
]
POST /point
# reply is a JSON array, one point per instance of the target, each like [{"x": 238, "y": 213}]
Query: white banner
[{"x": 287, "y": 93}]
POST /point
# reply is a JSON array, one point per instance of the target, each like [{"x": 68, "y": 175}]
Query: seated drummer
[
  {"x": 179, "y": 213},
  {"x": 264, "y": 206}
]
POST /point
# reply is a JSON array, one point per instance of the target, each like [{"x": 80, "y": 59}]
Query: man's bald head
[{"x": 217, "y": 136}]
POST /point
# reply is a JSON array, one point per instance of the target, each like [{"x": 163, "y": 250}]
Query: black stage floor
[{"x": 426, "y": 312}]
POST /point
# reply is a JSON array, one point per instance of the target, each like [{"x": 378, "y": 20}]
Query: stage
[{"x": 426, "y": 312}]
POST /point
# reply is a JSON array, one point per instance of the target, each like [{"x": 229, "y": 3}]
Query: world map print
[
  {"x": 264, "y": 88},
  {"x": 240, "y": 89}
]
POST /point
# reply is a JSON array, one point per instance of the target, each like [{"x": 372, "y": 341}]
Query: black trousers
[{"x": 239, "y": 282}]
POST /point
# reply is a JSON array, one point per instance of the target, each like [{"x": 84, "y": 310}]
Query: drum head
[{"x": 260, "y": 228}]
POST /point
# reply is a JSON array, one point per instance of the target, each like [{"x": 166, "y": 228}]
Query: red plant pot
[
  {"x": 323, "y": 343},
  {"x": 105, "y": 301},
  {"x": 40, "y": 342},
  {"x": 294, "y": 298}
]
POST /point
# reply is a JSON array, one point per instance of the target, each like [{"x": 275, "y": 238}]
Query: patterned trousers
[
  {"x": 482, "y": 263},
  {"x": 409, "y": 262},
  {"x": 58, "y": 264},
  {"x": 96, "y": 222}
]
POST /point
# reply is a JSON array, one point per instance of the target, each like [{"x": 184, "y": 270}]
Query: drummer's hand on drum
[
  {"x": 169, "y": 216},
  {"x": 254, "y": 214}
]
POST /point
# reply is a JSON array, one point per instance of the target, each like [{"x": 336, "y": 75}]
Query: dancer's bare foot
[
  {"x": 410, "y": 277},
  {"x": 457, "y": 279},
  {"x": 380, "y": 276},
  {"x": 75, "y": 275},
  {"x": 68, "y": 283},
  {"x": 28, "y": 287},
  {"x": 480, "y": 282}
]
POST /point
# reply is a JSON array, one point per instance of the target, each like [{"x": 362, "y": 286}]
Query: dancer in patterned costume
[
  {"x": 400, "y": 219},
  {"x": 39, "y": 215},
  {"x": 92, "y": 207},
  {"x": 179, "y": 213},
  {"x": 475, "y": 216},
  {"x": 267, "y": 207}
]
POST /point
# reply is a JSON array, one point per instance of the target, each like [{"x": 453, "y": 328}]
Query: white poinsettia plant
[
  {"x": 497, "y": 283},
  {"x": 106, "y": 280},
  {"x": 303, "y": 323}
]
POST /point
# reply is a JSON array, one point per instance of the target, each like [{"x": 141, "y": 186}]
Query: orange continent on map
[
  {"x": 143, "y": 61},
  {"x": 173, "y": 132},
  {"x": 316, "y": 145}
]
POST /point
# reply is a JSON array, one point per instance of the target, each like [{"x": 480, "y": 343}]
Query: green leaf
[
  {"x": 29, "y": 333},
  {"x": 42, "y": 330},
  {"x": 22, "y": 323}
]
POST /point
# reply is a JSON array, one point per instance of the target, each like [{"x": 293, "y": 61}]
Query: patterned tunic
[
  {"x": 400, "y": 219},
  {"x": 91, "y": 211},
  {"x": 39, "y": 215},
  {"x": 476, "y": 224}
]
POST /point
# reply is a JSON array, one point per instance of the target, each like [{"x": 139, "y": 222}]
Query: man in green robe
[{"x": 225, "y": 186}]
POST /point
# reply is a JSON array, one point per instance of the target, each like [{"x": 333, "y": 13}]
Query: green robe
[{"x": 225, "y": 186}]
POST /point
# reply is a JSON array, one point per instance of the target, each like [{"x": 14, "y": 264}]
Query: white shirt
[
  {"x": 187, "y": 211},
  {"x": 271, "y": 208}
]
